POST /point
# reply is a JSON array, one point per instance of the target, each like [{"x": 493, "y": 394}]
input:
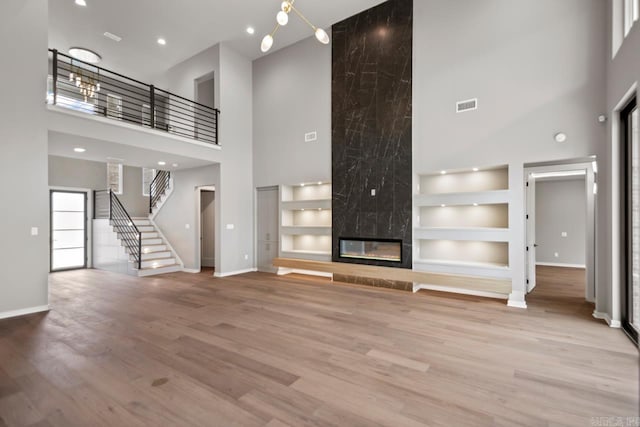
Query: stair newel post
[
  {"x": 152, "y": 106},
  {"x": 54, "y": 77},
  {"x": 110, "y": 206},
  {"x": 139, "y": 250}
]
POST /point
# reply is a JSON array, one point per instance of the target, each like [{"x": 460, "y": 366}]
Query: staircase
[
  {"x": 157, "y": 256},
  {"x": 146, "y": 250}
]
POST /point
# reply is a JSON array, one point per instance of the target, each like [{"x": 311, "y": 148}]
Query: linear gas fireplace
[{"x": 371, "y": 249}]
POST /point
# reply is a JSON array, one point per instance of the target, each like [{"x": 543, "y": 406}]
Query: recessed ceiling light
[
  {"x": 175, "y": 165},
  {"x": 319, "y": 182},
  {"x": 443, "y": 206},
  {"x": 162, "y": 41},
  {"x": 81, "y": 2},
  {"x": 251, "y": 30},
  {"x": 79, "y": 150},
  {"x": 476, "y": 169},
  {"x": 475, "y": 204},
  {"x": 301, "y": 185},
  {"x": 161, "y": 163},
  {"x": 443, "y": 172},
  {"x": 85, "y": 55}
]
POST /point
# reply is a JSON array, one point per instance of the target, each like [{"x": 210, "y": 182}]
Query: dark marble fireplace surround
[{"x": 371, "y": 128}]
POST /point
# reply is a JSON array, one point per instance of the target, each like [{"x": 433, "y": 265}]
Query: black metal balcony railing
[{"x": 94, "y": 90}]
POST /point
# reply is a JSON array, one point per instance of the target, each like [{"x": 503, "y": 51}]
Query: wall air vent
[{"x": 467, "y": 105}]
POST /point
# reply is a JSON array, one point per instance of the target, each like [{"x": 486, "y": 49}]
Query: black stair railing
[
  {"x": 107, "y": 205},
  {"x": 158, "y": 188},
  {"x": 87, "y": 88}
]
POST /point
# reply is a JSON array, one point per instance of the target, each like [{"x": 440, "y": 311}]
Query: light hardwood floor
[{"x": 261, "y": 350}]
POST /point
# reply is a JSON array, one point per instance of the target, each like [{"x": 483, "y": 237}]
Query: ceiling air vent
[
  {"x": 112, "y": 36},
  {"x": 467, "y": 105}
]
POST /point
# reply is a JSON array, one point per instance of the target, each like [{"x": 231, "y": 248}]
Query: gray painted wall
[
  {"x": 537, "y": 67},
  {"x": 623, "y": 72},
  {"x": 234, "y": 192},
  {"x": 68, "y": 172},
  {"x": 561, "y": 206},
  {"x": 75, "y": 173},
  {"x": 291, "y": 97},
  {"x": 24, "y": 260},
  {"x": 180, "y": 210}
]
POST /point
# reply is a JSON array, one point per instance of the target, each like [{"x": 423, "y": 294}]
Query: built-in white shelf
[
  {"x": 305, "y": 221},
  {"x": 466, "y": 268},
  {"x": 310, "y": 230},
  {"x": 462, "y": 233},
  {"x": 307, "y": 255},
  {"x": 462, "y": 199},
  {"x": 299, "y": 205},
  {"x": 461, "y": 222}
]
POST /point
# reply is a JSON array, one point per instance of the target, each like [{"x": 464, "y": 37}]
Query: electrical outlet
[
  {"x": 311, "y": 137},
  {"x": 187, "y": 226},
  {"x": 246, "y": 257},
  {"x": 230, "y": 226},
  {"x": 564, "y": 234},
  {"x": 34, "y": 231},
  {"x": 556, "y": 254},
  {"x": 373, "y": 192}
]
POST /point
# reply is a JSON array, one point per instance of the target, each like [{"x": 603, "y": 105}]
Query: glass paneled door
[
  {"x": 631, "y": 219},
  {"x": 68, "y": 230}
]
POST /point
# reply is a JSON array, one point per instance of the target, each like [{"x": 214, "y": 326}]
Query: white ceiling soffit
[
  {"x": 104, "y": 151},
  {"x": 188, "y": 26}
]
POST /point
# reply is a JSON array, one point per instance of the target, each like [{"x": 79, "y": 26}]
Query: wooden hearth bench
[{"x": 471, "y": 283}]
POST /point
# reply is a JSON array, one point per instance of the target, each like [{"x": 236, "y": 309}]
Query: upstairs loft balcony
[{"x": 93, "y": 90}]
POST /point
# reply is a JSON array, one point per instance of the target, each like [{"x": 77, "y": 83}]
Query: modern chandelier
[
  {"x": 283, "y": 18},
  {"x": 88, "y": 83}
]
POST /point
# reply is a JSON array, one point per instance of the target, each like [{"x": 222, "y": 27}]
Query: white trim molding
[
  {"x": 234, "y": 273},
  {"x": 605, "y": 316},
  {"x": 516, "y": 300},
  {"x": 559, "y": 264},
  {"x": 24, "y": 311},
  {"x": 284, "y": 271},
  {"x": 191, "y": 270},
  {"x": 420, "y": 286}
]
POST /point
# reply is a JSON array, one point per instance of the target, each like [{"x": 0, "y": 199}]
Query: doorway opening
[
  {"x": 205, "y": 93},
  {"x": 69, "y": 237},
  {"x": 561, "y": 232},
  {"x": 207, "y": 225}
]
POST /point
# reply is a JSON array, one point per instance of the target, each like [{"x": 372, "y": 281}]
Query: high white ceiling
[{"x": 189, "y": 26}]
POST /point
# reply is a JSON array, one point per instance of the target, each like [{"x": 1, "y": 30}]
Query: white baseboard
[
  {"x": 559, "y": 264},
  {"x": 191, "y": 270},
  {"x": 517, "y": 300},
  {"x": 420, "y": 286},
  {"x": 24, "y": 311},
  {"x": 605, "y": 316},
  {"x": 235, "y": 273},
  {"x": 516, "y": 304},
  {"x": 285, "y": 271}
]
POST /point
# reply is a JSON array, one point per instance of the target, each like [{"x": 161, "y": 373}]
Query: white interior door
[
  {"x": 267, "y": 228},
  {"x": 531, "y": 233},
  {"x": 68, "y": 230}
]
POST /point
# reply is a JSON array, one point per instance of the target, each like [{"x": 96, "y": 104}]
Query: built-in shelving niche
[
  {"x": 305, "y": 221},
  {"x": 462, "y": 222}
]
